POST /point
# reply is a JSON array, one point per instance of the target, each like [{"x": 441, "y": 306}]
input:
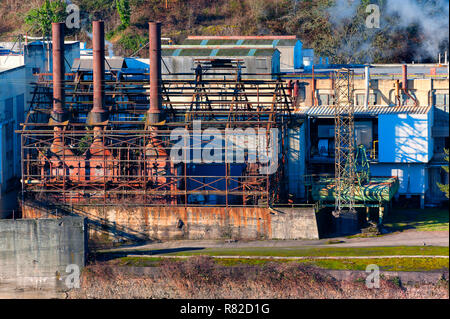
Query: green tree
[
  {"x": 123, "y": 8},
  {"x": 444, "y": 187},
  {"x": 40, "y": 19}
]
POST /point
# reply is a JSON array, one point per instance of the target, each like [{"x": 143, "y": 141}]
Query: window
[
  {"x": 441, "y": 100},
  {"x": 360, "y": 99},
  {"x": 323, "y": 99},
  {"x": 326, "y": 99}
]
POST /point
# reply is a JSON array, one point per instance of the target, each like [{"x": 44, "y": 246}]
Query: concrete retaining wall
[
  {"x": 144, "y": 223},
  {"x": 294, "y": 223},
  {"x": 34, "y": 253}
]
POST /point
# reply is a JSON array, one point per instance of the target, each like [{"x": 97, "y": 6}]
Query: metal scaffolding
[
  {"x": 124, "y": 160},
  {"x": 345, "y": 177}
]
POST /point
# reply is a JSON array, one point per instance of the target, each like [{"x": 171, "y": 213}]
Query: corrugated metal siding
[{"x": 328, "y": 110}]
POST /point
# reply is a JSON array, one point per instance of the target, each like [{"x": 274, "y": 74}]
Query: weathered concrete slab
[
  {"x": 169, "y": 223},
  {"x": 34, "y": 253},
  {"x": 294, "y": 223}
]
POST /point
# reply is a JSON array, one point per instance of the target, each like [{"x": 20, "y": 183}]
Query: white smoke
[
  {"x": 343, "y": 10},
  {"x": 354, "y": 46},
  {"x": 431, "y": 16},
  {"x": 110, "y": 48}
]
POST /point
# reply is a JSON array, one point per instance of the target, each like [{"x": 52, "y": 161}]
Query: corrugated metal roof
[
  {"x": 211, "y": 46},
  {"x": 242, "y": 41},
  {"x": 328, "y": 110},
  {"x": 218, "y": 52},
  {"x": 237, "y": 37}
]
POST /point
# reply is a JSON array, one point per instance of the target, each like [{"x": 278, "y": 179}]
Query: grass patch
[
  {"x": 318, "y": 251},
  {"x": 140, "y": 261},
  {"x": 386, "y": 264},
  {"x": 433, "y": 219}
]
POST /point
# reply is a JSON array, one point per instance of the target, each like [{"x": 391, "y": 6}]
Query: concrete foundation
[
  {"x": 35, "y": 253},
  {"x": 166, "y": 223}
]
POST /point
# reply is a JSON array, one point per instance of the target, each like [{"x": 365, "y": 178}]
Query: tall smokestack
[
  {"x": 98, "y": 113},
  {"x": 58, "y": 71},
  {"x": 404, "y": 77},
  {"x": 154, "y": 112}
]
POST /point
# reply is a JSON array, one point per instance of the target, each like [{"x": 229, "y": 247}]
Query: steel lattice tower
[{"x": 344, "y": 141}]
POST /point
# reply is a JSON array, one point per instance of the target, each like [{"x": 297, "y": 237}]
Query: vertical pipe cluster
[
  {"x": 154, "y": 112},
  {"x": 58, "y": 71},
  {"x": 98, "y": 112}
]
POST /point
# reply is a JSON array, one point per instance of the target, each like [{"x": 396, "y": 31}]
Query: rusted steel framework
[
  {"x": 126, "y": 162},
  {"x": 344, "y": 134}
]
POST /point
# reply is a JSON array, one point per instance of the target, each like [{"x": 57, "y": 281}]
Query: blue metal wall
[
  {"x": 298, "y": 55},
  {"x": 405, "y": 138}
]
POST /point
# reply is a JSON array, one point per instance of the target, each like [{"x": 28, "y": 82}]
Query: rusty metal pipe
[
  {"x": 313, "y": 88},
  {"x": 154, "y": 112},
  {"x": 58, "y": 71},
  {"x": 404, "y": 77},
  {"x": 98, "y": 112},
  {"x": 366, "y": 86}
]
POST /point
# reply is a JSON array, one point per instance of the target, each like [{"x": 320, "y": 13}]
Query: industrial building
[
  {"x": 290, "y": 48},
  {"x": 98, "y": 139},
  {"x": 401, "y": 118},
  {"x": 18, "y": 63}
]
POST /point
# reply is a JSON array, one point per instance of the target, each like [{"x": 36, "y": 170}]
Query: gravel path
[{"x": 405, "y": 238}]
